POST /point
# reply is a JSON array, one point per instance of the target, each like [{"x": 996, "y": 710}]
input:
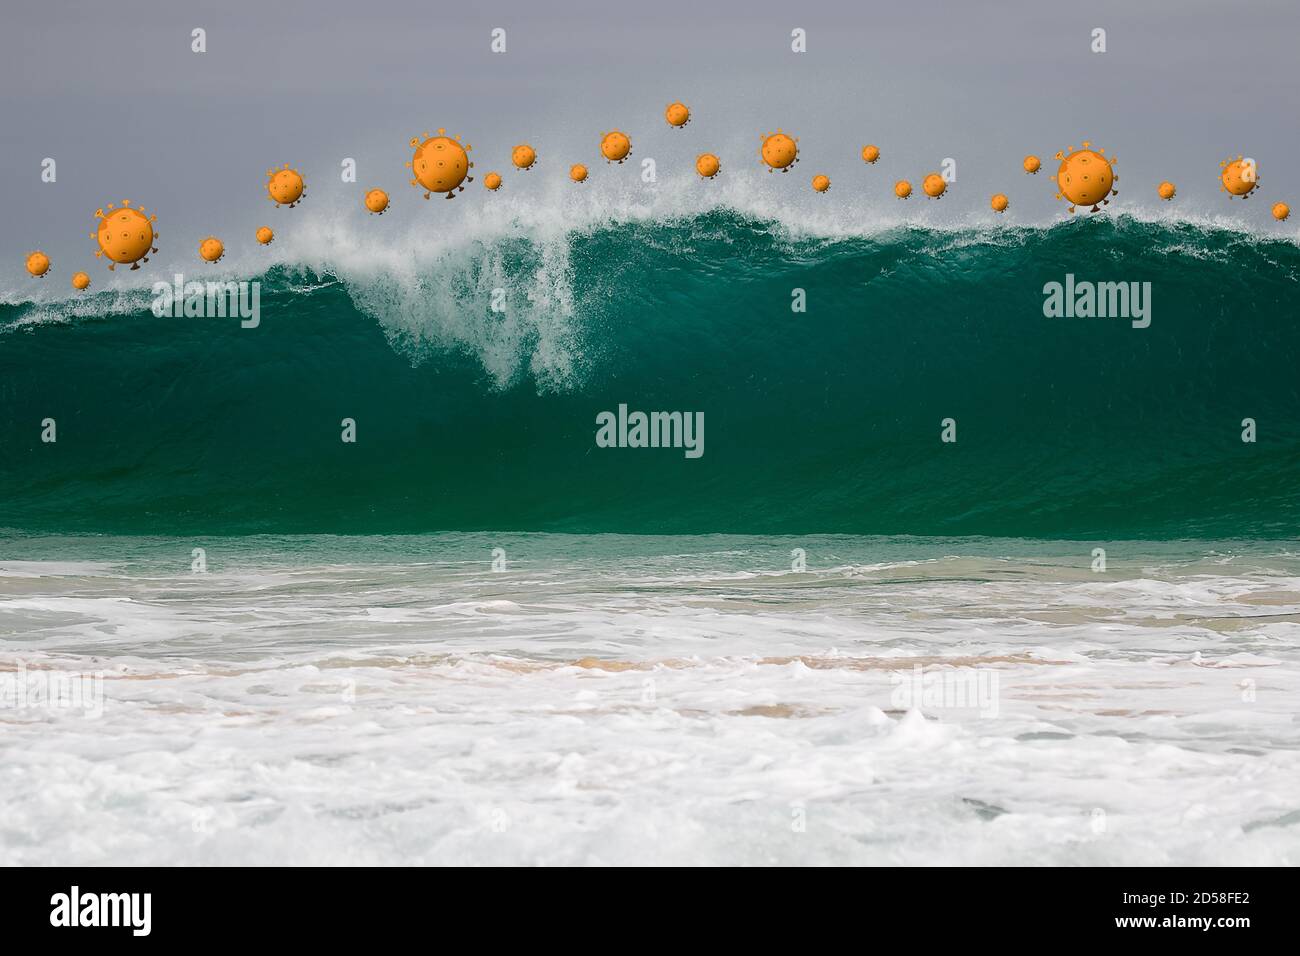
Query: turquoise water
[
  {"x": 823, "y": 421},
  {"x": 474, "y": 636}
]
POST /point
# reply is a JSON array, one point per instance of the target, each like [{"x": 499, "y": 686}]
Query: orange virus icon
[
  {"x": 492, "y": 181},
  {"x": 1239, "y": 177},
  {"x": 779, "y": 151},
  {"x": 999, "y": 202},
  {"x": 821, "y": 183},
  {"x": 1085, "y": 177},
  {"x": 677, "y": 115},
  {"x": 870, "y": 154},
  {"x": 440, "y": 164},
  {"x": 125, "y": 235},
  {"x": 902, "y": 189},
  {"x": 265, "y": 235},
  {"x": 934, "y": 185},
  {"x": 1032, "y": 164},
  {"x": 707, "y": 165},
  {"x": 80, "y": 281},
  {"x": 578, "y": 173},
  {"x": 1166, "y": 190},
  {"x": 523, "y": 156},
  {"x": 285, "y": 186},
  {"x": 615, "y": 146},
  {"x": 1281, "y": 211},
  {"x": 211, "y": 249},
  {"x": 376, "y": 201},
  {"x": 38, "y": 263}
]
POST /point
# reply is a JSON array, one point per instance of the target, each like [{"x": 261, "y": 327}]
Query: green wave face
[{"x": 826, "y": 420}]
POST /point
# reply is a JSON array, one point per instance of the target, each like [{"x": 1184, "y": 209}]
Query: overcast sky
[{"x": 113, "y": 92}]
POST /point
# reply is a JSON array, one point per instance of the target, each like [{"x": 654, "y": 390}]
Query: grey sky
[{"x": 114, "y": 94}]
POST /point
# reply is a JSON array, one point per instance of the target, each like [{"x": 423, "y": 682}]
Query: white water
[{"x": 640, "y": 700}]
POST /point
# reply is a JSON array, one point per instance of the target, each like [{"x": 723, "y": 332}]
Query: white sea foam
[{"x": 394, "y": 700}]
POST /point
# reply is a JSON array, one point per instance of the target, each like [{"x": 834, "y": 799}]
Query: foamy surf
[{"x": 394, "y": 700}]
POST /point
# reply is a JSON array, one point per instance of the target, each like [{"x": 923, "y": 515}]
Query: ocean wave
[{"x": 475, "y": 367}]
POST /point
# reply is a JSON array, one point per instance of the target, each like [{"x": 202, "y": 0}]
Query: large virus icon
[
  {"x": 376, "y": 201},
  {"x": 1166, "y": 190},
  {"x": 707, "y": 165},
  {"x": 211, "y": 249},
  {"x": 870, "y": 153},
  {"x": 125, "y": 235},
  {"x": 779, "y": 151},
  {"x": 677, "y": 114},
  {"x": 440, "y": 164},
  {"x": 38, "y": 263},
  {"x": 934, "y": 185},
  {"x": 1238, "y": 177},
  {"x": 615, "y": 146},
  {"x": 492, "y": 181},
  {"x": 523, "y": 156},
  {"x": 821, "y": 183},
  {"x": 285, "y": 186},
  {"x": 265, "y": 235},
  {"x": 1085, "y": 177}
]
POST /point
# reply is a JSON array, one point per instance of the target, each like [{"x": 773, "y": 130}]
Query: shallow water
[{"x": 614, "y": 699}]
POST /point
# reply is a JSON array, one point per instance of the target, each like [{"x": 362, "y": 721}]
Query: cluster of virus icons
[{"x": 440, "y": 164}]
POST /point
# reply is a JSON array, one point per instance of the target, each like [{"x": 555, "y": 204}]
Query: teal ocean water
[
  {"x": 828, "y": 420},
  {"x": 474, "y": 635}
]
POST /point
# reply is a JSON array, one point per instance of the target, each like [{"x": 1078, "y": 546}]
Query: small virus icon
[
  {"x": 523, "y": 156},
  {"x": 1032, "y": 164},
  {"x": 1238, "y": 178},
  {"x": 870, "y": 154},
  {"x": 1166, "y": 190},
  {"x": 440, "y": 164},
  {"x": 677, "y": 115},
  {"x": 779, "y": 151},
  {"x": 376, "y": 201},
  {"x": 211, "y": 249},
  {"x": 38, "y": 263},
  {"x": 80, "y": 281},
  {"x": 1085, "y": 177},
  {"x": 265, "y": 235},
  {"x": 615, "y": 146},
  {"x": 125, "y": 235},
  {"x": 902, "y": 189},
  {"x": 934, "y": 185},
  {"x": 707, "y": 165},
  {"x": 578, "y": 173},
  {"x": 821, "y": 183},
  {"x": 1281, "y": 211},
  {"x": 999, "y": 202},
  {"x": 285, "y": 186},
  {"x": 492, "y": 181}
]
